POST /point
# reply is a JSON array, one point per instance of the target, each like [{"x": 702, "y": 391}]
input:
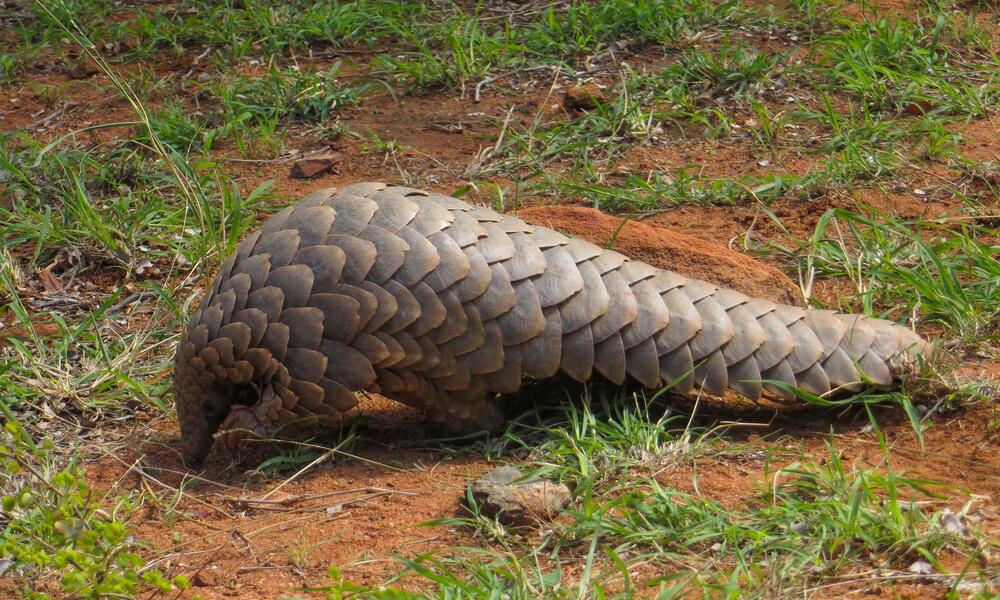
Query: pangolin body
[{"x": 444, "y": 305}]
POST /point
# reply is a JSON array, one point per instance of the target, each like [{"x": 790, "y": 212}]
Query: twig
[
  {"x": 321, "y": 458},
  {"x": 295, "y": 500},
  {"x": 130, "y": 299}
]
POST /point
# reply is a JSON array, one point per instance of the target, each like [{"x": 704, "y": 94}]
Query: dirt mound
[{"x": 671, "y": 250}]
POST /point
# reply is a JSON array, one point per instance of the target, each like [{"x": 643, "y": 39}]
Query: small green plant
[
  {"x": 768, "y": 129},
  {"x": 900, "y": 67},
  {"x": 661, "y": 190},
  {"x": 53, "y": 523},
  {"x": 287, "y": 92},
  {"x": 451, "y": 53},
  {"x": 732, "y": 69},
  {"x": 8, "y": 67}
]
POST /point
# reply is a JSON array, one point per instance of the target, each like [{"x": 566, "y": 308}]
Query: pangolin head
[{"x": 201, "y": 409}]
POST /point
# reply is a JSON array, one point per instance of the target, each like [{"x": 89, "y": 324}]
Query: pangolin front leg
[{"x": 444, "y": 305}]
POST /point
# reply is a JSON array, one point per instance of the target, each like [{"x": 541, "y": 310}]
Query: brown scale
[{"x": 443, "y": 305}]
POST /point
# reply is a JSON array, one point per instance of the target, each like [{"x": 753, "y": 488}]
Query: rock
[
  {"x": 953, "y": 524},
  {"x": 920, "y": 567},
  {"x": 205, "y": 578},
  {"x": 312, "y": 166},
  {"x": 583, "y": 97},
  {"x": 518, "y": 504},
  {"x": 80, "y": 69},
  {"x": 668, "y": 249}
]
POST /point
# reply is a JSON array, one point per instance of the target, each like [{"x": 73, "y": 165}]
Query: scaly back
[{"x": 443, "y": 305}]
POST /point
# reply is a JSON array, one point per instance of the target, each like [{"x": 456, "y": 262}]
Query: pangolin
[{"x": 446, "y": 306}]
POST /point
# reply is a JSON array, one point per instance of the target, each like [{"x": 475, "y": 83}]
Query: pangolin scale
[{"x": 444, "y": 306}]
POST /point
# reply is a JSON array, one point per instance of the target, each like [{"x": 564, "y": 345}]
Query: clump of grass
[
  {"x": 452, "y": 53},
  {"x": 731, "y": 69},
  {"x": 587, "y": 143},
  {"x": 110, "y": 204},
  {"x": 603, "y": 437},
  {"x": 813, "y": 520},
  {"x": 684, "y": 187},
  {"x": 8, "y": 67},
  {"x": 268, "y": 29},
  {"x": 583, "y": 26},
  {"x": 897, "y": 66},
  {"x": 949, "y": 273},
  {"x": 287, "y": 92}
]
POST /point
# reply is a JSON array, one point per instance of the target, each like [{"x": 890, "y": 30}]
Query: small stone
[
  {"x": 920, "y": 567},
  {"x": 312, "y": 166},
  {"x": 971, "y": 587},
  {"x": 583, "y": 97},
  {"x": 205, "y": 578},
  {"x": 518, "y": 504},
  {"x": 81, "y": 70},
  {"x": 953, "y": 524}
]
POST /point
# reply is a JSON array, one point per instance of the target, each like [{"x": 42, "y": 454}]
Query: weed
[
  {"x": 583, "y": 25},
  {"x": 53, "y": 524},
  {"x": 895, "y": 66},
  {"x": 287, "y": 92},
  {"x": 451, "y": 53},
  {"x": 732, "y": 69},
  {"x": 8, "y": 68},
  {"x": 949, "y": 273},
  {"x": 107, "y": 205}
]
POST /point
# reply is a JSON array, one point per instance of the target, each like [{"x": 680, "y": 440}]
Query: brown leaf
[
  {"x": 312, "y": 166},
  {"x": 583, "y": 97},
  {"x": 50, "y": 283},
  {"x": 918, "y": 108},
  {"x": 19, "y": 331}
]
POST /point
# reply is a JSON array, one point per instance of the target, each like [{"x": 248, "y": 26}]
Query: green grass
[
  {"x": 889, "y": 66},
  {"x": 629, "y": 534},
  {"x": 948, "y": 272},
  {"x": 110, "y": 205},
  {"x": 732, "y": 69}
]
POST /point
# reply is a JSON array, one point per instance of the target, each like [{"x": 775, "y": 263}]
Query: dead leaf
[
  {"x": 918, "y": 108},
  {"x": 583, "y": 97},
  {"x": 50, "y": 283},
  {"x": 312, "y": 166},
  {"x": 143, "y": 265}
]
